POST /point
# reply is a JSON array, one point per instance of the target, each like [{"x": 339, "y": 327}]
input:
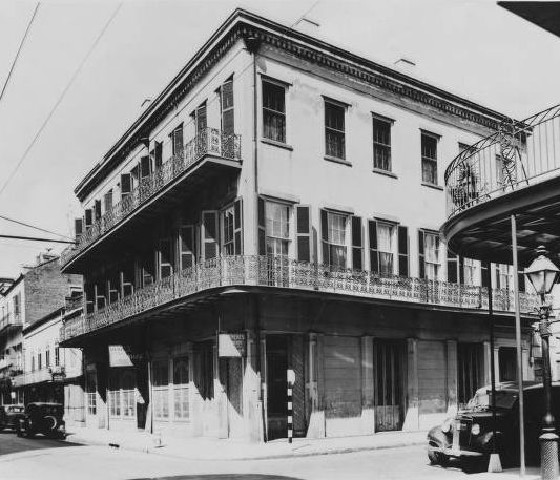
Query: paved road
[{"x": 45, "y": 459}]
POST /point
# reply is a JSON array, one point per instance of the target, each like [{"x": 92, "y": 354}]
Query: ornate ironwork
[
  {"x": 209, "y": 141},
  {"x": 516, "y": 155},
  {"x": 283, "y": 272}
]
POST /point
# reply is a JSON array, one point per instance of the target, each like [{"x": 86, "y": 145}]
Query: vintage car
[
  {"x": 9, "y": 415},
  {"x": 42, "y": 417},
  {"x": 469, "y": 436}
]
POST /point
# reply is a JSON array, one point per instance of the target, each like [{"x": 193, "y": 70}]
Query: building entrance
[{"x": 277, "y": 385}]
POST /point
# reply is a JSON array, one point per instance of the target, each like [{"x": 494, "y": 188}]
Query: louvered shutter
[
  {"x": 238, "y": 227},
  {"x": 303, "y": 233},
  {"x": 145, "y": 166},
  {"x": 87, "y": 215},
  {"x": 420, "y": 253},
  {"x": 403, "y": 251},
  {"x": 373, "y": 252},
  {"x": 357, "y": 244},
  {"x": 261, "y": 226},
  {"x": 97, "y": 210},
  {"x": 461, "y": 270},
  {"x": 177, "y": 140},
  {"x": 325, "y": 236},
  {"x": 108, "y": 201},
  {"x": 210, "y": 234},
  {"x": 79, "y": 228},
  {"x": 201, "y": 121},
  {"x": 187, "y": 246},
  {"x": 126, "y": 184},
  {"x": 227, "y": 107},
  {"x": 158, "y": 155}
]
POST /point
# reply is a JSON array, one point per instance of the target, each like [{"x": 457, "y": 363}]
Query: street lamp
[{"x": 542, "y": 274}]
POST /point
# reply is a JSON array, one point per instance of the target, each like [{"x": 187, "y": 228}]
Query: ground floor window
[
  {"x": 469, "y": 370},
  {"x": 91, "y": 393},
  {"x": 160, "y": 388},
  {"x": 170, "y": 388},
  {"x": 507, "y": 361},
  {"x": 122, "y": 385}
]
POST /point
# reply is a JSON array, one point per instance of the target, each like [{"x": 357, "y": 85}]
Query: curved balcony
[
  {"x": 221, "y": 149},
  {"x": 282, "y": 272},
  {"x": 516, "y": 170}
]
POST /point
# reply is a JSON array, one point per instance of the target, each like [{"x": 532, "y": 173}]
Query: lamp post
[{"x": 542, "y": 274}]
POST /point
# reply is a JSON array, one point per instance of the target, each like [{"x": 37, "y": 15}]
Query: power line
[
  {"x": 36, "y": 239},
  {"x": 18, "y": 51},
  {"x": 60, "y": 98},
  {"x": 33, "y": 226}
]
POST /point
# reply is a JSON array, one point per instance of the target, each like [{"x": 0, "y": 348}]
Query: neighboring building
[
  {"x": 277, "y": 208},
  {"x": 34, "y": 298}
]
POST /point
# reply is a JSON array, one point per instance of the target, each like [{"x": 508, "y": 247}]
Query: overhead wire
[
  {"x": 8, "y": 219},
  {"x": 60, "y": 98},
  {"x": 6, "y": 81}
]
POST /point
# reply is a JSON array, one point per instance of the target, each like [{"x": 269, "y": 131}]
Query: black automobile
[
  {"x": 9, "y": 415},
  {"x": 469, "y": 435},
  {"x": 45, "y": 418}
]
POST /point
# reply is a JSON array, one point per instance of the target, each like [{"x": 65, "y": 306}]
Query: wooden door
[{"x": 389, "y": 385}]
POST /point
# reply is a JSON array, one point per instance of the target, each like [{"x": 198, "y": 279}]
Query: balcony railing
[
  {"x": 38, "y": 376},
  {"x": 282, "y": 272},
  {"x": 519, "y": 154},
  {"x": 209, "y": 141},
  {"x": 10, "y": 319},
  {"x": 74, "y": 302}
]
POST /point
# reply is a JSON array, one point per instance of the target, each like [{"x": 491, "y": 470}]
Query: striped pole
[{"x": 291, "y": 381}]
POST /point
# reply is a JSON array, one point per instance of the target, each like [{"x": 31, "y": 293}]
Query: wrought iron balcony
[
  {"x": 210, "y": 142},
  {"x": 282, "y": 272},
  {"x": 72, "y": 303},
  {"x": 10, "y": 320},
  {"x": 38, "y": 376},
  {"x": 518, "y": 155}
]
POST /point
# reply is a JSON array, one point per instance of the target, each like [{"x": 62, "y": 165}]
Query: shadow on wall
[{"x": 221, "y": 477}]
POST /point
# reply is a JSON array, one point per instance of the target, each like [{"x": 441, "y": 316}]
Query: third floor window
[
  {"x": 429, "y": 158},
  {"x": 381, "y": 144},
  {"x": 274, "y": 112},
  {"x": 335, "y": 130}
]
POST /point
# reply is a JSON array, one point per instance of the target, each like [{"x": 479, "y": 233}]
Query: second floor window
[
  {"x": 227, "y": 229},
  {"x": 335, "y": 130},
  {"x": 382, "y": 247},
  {"x": 429, "y": 158},
  {"x": 335, "y": 244},
  {"x": 176, "y": 137},
  {"x": 226, "y": 99},
  {"x": 429, "y": 252},
  {"x": 277, "y": 228},
  {"x": 381, "y": 144},
  {"x": 274, "y": 112}
]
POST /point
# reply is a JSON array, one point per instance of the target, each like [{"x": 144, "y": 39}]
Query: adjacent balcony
[
  {"x": 284, "y": 273},
  {"x": 210, "y": 147},
  {"x": 52, "y": 374},
  {"x": 516, "y": 170},
  {"x": 10, "y": 320}
]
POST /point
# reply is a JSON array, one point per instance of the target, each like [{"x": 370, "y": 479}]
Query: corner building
[{"x": 277, "y": 208}]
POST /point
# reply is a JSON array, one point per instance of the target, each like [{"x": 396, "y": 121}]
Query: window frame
[
  {"x": 389, "y": 122},
  {"x": 336, "y": 131},
  {"x": 328, "y": 243},
  {"x": 438, "y": 243},
  {"x": 394, "y": 245},
  {"x": 433, "y": 162},
  {"x": 268, "y": 234},
  {"x": 273, "y": 112}
]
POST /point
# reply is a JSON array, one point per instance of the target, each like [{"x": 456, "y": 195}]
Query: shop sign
[
  {"x": 123, "y": 356},
  {"x": 232, "y": 345}
]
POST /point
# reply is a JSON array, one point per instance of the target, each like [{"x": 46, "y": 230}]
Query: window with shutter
[
  {"x": 145, "y": 166},
  {"x": 274, "y": 111},
  {"x": 485, "y": 274},
  {"x": 187, "y": 246},
  {"x": 158, "y": 155},
  {"x": 210, "y": 231},
  {"x": 452, "y": 265},
  {"x": 403, "y": 250},
  {"x": 238, "y": 227},
  {"x": 108, "y": 200},
  {"x": 148, "y": 268},
  {"x": 113, "y": 287},
  {"x": 100, "y": 298},
  {"x": 278, "y": 232},
  {"x": 177, "y": 140},
  {"x": 357, "y": 246},
  {"x": 303, "y": 233},
  {"x": 335, "y": 245},
  {"x": 373, "y": 256},
  {"x": 165, "y": 258},
  {"x": 228, "y": 246},
  {"x": 226, "y": 96},
  {"x": 87, "y": 217},
  {"x": 421, "y": 254},
  {"x": 335, "y": 130},
  {"x": 126, "y": 185},
  {"x": 97, "y": 210},
  {"x": 382, "y": 247},
  {"x": 79, "y": 228},
  {"x": 261, "y": 226}
]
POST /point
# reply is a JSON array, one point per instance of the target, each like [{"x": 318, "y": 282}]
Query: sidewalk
[{"x": 215, "y": 449}]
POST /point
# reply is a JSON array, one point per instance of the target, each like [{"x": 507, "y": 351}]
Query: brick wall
[{"x": 45, "y": 289}]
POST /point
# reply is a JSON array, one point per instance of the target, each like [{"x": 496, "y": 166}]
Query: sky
[{"x": 474, "y": 49}]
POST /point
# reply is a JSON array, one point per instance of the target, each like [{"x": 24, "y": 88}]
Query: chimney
[{"x": 405, "y": 65}]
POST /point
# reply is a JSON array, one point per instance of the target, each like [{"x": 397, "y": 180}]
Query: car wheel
[{"x": 436, "y": 458}]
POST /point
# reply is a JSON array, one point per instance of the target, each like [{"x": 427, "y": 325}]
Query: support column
[
  {"x": 486, "y": 363},
  {"x": 263, "y": 384},
  {"x": 528, "y": 373},
  {"x": 315, "y": 386},
  {"x": 497, "y": 364},
  {"x": 252, "y": 404},
  {"x": 452, "y": 377},
  {"x": 368, "y": 408},
  {"x": 411, "y": 422}
]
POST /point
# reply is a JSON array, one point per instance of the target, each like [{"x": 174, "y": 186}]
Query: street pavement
[{"x": 45, "y": 459}]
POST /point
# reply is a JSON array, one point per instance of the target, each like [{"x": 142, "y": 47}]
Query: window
[
  {"x": 226, "y": 98},
  {"x": 40, "y": 361},
  {"x": 277, "y": 228},
  {"x": 499, "y": 171},
  {"x": 507, "y": 362},
  {"x": 382, "y": 247},
  {"x": 108, "y": 200},
  {"x": 176, "y": 137},
  {"x": 57, "y": 356},
  {"x": 461, "y": 270},
  {"x": 335, "y": 136},
  {"x": 47, "y": 358},
  {"x": 160, "y": 388},
  {"x": 274, "y": 111},
  {"x": 33, "y": 362},
  {"x": 158, "y": 155},
  {"x": 227, "y": 229},
  {"x": 187, "y": 247},
  {"x": 165, "y": 258},
  {"x": 91, "y": 393},
  {"x": 126, "y": 188},
  {"x": 17, "y": 304},
  {"x": 503, "y": 277},
  {"x": 429, "y": 143},
  {"x": 334, "y": 226},
  {"x": 381, "y": 144},
  {"x": 148, "y": 268},
  {"x": 469, "y": 369},
  {"x": 122, "y": 402},
  {"x": 428, "y": 249},
  {"x": 201, "y": 119},
  {"x": 469, "y": 267},
  {"x": 181, "y": 388}
]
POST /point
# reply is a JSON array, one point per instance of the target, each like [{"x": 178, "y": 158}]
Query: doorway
[{"x": 277, "y": 386}]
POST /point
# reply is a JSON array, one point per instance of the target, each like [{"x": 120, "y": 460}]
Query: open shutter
[
  {"x": 325, "y": 236},
  {"x": 108, "y": 199},
  {"x": 126, "y": 185},
  {"x": 87, "y": 215},
  {"x": 78, "y": 228},
  {"x": 303, "y": 233},
  {"x": 177, "y": 140},
  {"x": 210, "y": 234},
  {"x": 238, "y": 227},
  {"x": 373, "y": 252},
  {"x": 261, "y": 226},
  {"x": 227, "y": 107},
  {"x": 97, "y": 210},
  {"x": 461, "y": 270},
  {"x": 420, "y": 253},
  {"x": 145, "y": 166},
  {"x": 201, "y": 120},
  {"x": 187, "y": 246},
  {"x": 451, "y": 267},
  {"x": 403, "y": 251},
  {"x": 521, "y": 280},
  {"x": 158, "y": 155},
  {"x": 357, "y": 244}
]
